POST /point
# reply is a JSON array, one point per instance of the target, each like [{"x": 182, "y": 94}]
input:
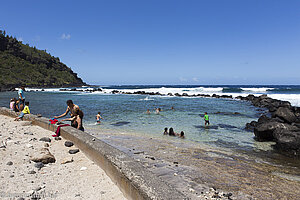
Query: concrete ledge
[{"x": 135, "y": 181}]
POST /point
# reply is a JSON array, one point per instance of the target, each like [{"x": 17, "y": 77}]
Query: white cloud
[
  {"x": 65, "y": 36},
  {"x": 182, "y": 79},
  {"x": 195, "y": 79},
  {"x": 20, "y": 39}
]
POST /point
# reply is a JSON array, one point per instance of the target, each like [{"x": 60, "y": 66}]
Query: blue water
[{"x": 127, "y": 113}]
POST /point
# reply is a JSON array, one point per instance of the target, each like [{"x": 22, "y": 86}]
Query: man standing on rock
[
  {"x": 76, "y": 115},
  {"x": 21, "y": 97}
]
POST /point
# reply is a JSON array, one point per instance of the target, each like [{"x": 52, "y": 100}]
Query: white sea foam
[
  {"x": 147, "y": 99},
  {"x": 293, "y": 98},
  {"x": 257, "y": 89}
]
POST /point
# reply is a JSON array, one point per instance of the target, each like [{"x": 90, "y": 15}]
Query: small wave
[
  {"x": 147, "y": 99},
  {"x": 262, "y": 89}
]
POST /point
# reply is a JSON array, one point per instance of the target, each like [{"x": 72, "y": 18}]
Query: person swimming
[
  {"x": 182, "y": 135},
  {"x": 171, "y": 132},
  {"x": 166, "y": 131}
]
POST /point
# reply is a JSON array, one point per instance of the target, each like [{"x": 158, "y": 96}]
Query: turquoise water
[{"x": 127, "y": 113}]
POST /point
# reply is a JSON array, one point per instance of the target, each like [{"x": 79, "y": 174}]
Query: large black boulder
[
  {"x": 264, "y": 131},
  {"x": 286, "y": 114},
  {"x": 288, "y": 141}
]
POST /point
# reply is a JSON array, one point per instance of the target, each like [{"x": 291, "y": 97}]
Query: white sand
[{"x": 54, "y": 181}]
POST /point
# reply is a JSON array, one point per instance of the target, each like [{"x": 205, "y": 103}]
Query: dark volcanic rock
[
  {"x": 69, "y": 143},
  {"x": 39, "y": 165},
  {"x": 286, "y": 114},
  {"x": 120, "y": 123},
  {"x": 73, "y": 151},
  {"x": 45, "y": 139},
  {"x": 9, "y": 163},
  {"x": 288, "y": 141},
  {"x": 264, "y": 131}
]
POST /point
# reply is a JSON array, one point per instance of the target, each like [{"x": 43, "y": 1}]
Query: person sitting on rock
[{"x": 24, "y": 111}]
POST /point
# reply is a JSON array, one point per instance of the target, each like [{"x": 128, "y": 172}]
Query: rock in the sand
[
  {"x": 67, "y": 160},
  {"x": 57, "y": 138},
  {"x": 73, "y": 151},
  {"x": 286, "y": 114},
  {"x": 43, "y": 156},
  {"x": 21, "y": 198},
  {"x": 83, "y": 168},
  {"x": 9, "y": 163},
  {"x": 39, "y": 165},
  {"x": 68, "y": 144},
  {"x": 32, "y": 172},
  {"x": 38, "y": 188},
  {"x": 45, "y": 139},
  {"x": 46, "y": 145}
]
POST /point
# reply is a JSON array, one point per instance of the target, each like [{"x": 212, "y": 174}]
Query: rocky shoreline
[{"x": 280, "y": 124}]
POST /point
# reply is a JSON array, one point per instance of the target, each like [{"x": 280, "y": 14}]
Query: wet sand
[
  {"x": 196, "y": 169},
  {"x": 21, "y": 178}
]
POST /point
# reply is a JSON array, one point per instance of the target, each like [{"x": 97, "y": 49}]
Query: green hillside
[{"x": 22, "y": 64}]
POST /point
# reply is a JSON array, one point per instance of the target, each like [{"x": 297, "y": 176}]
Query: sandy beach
[{"x": 71, "y": 176}]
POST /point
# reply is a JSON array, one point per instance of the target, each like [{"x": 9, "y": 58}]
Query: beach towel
[{"x": 58, "y": 130}]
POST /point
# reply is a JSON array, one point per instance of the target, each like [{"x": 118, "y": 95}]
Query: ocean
[{"x": 126, "y": 114}]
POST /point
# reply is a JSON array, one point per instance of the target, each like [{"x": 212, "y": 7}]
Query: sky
[{"x": 197, "y": 42}]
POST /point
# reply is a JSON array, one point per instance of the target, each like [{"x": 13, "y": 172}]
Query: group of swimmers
[
  {"x": 157, "y": 110},
  {"x": 172, "y": 133}
]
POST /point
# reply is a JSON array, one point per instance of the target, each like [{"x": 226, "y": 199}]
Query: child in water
[
  {"x": 206, "y": 119},
  {"x": 166, "y": 131},
  {"x": 24, "y": 111},
  {"x": 98, "y": 116},
  {"x": 181, "y": 135}
]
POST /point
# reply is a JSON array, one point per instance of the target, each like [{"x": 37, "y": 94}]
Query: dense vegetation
[{"x": 22, "y": 64}]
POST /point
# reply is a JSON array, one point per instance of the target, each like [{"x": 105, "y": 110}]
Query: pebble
[
  {"x": 32, "y": 172},
  {"x": 38, "y": 189},
  {"x": 39, "y": 165},
  {"x": 73, "y": 151},
  {"x": 191, "y": 190},
  {"x": 45, "y": 139},
  {"x": 21, "y": 198},
  {"x": 46, "y": 145},
  {"x": 83, "y": 168},
  {"x": 11, "y": 176},
  {"x": 69, "y": 143},
  {"x": 57, "y": 138},
  {"x": 9, "y": 163}
]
